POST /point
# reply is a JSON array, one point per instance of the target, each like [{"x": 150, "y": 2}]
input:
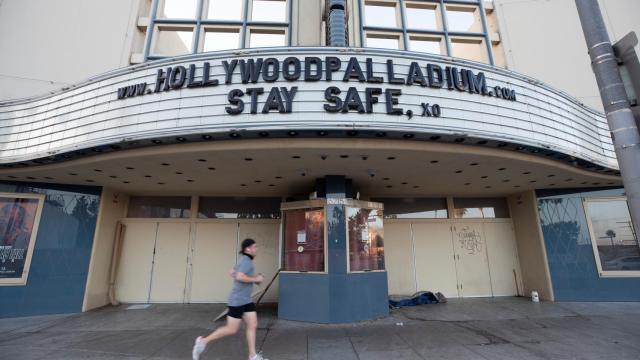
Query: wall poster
[{"x": 19, "y": 219}]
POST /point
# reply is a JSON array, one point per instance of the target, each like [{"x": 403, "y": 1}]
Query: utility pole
[{"x": 624, "y": 132}]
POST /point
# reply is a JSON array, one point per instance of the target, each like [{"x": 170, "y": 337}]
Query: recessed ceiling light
[
  {"x": 484, "y": 176},
  {"x": 385, "y": 179},
  {"x": 610, "y": 183},
  {"x": 147, "y": 176},
  {"x": 322, "y": 133},
  {"x": 389, "y": 186},
  {"x": 501, "y": 144},
  {"x": 344, "y": 156},
  {"x": 467, "y": 184},
  {"x": 434, "y": 161},
  {"x": 96, "y": 150},
  {"x": 97, "y": 170},
  {"x": 202, "y": 160},
  {"x": 189, "y": 180},
  {"x": 506, "y": 180},
  {"x": 248, "y": 159},
  {"x": 207, "y": 137},
  {"x": 526, "y": 173},
  {"x": 381, "y": 134},
  {"x": 473, "y": 164},
  {"x": 520, "y": 147},
  {"x": 115, "y": 147},
  {"x": 458, "y": 171},
  {"x": 408, "y": 136},
  {"x": 243, "y": 184},
  {"x": 364, "y": 157},
  {"x": 292, "y": 133},
  {"x": 178, "y": 173},
  {"x": 568, "y": 179},
  {"x": 129, "y": 168},
  {"x": 271, "y": 185},
  {"x": 459, "y": 140},
  {"x": 404, "y": 183},
  {"x": 164, "y": 164},
  {"x": 31, "y": 178},
  {"x": 125, "y": 182},
  {"x": 532, "y": 181},
  {"x": 156, "y": 141},
  {"x": 416, "y": 186},
  {"x": 113, "y": 176},
  {"x": 181, "y": 139},
  {"x": 552, "y": 175},
  {"x": 501, "y": 169},
  {"x": 295, "y": 157},
  {"x": 482, "y": 142},
  {"x": 73, "y": 174},
  {"x": 160, "y": 183},
  {"x": 12, "y": 177},
  {"x": 552, "y": 184},
  {"x": 89, "y": 180},
  {"x": 50, "y": 178},
  {"x": 263, "y": 134},
  {"x": 516, "y": 186},
  {"x": 258, "y": 181},
  {"x": 391, "y": 158},
  {"x": 352, "y": 133},
  {"x": 211, "y": 168},
  {"x": 488, "y": 187},
  {"x": 584, "y": 183},
  {"x": 278, "y": 177},
  {"x": 595, "y": 183},
  {"x": 234, "y": 135}
]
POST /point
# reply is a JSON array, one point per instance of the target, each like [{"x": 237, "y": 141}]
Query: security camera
[
  {"x": 372, "y": 173},
  {"x": 323, "y": 157}
]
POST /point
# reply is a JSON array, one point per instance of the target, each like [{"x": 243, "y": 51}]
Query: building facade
[{"x": 370, "y": 147}]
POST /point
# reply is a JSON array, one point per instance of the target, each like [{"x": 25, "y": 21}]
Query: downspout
[{"x": 115, "y": 261}]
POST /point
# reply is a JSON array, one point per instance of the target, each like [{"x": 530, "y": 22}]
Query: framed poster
[{"x": 19, "y": 219}]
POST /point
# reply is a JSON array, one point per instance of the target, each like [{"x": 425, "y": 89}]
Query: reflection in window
[
  {"x": 221, "y": 39},
  {"x": 238, "y": 208},
  {"x": 421, "y": 16},
  {"x": 173, "y": 41},
  {"x": 366, "y": 239},
  {"x": 383, "y": 42},
  {"x": 384, "y": 16},
  {"x": 469, "y": 48},
  {"x": 429, "y": 45},
  {"x": 178, "y": 9},
  {"x": 269, "y": 10},
  {"x": 303, "y": 240},
  {"x": 414, "y": 208},
  {"x": 481, "y": 208},
  {"x": 463, "y": 18},
  {"x": 260, "y": 38},
  {"x": 225, "y": 10},
  {"x": 613, "y": 234},
  {"x": 159, "y": 207}
]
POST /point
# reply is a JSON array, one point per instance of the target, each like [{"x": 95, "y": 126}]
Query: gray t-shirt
[{"x": 241, "y": 291}]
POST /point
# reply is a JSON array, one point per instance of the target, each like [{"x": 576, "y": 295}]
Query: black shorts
[{"x": 237, "y": 311}]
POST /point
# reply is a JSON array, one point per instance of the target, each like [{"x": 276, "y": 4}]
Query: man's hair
[{"x": 246, "y": 243}]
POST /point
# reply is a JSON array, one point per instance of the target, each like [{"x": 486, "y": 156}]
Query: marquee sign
[{"x": 297, "y": 89}]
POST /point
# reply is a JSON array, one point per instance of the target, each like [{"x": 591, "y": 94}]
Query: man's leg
[
  {"x": 251, "y": 322},
  {"x": 230, "y": 328}
]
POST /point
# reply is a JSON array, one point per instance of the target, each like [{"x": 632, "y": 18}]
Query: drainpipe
[
  {"x": 624, "y": 132},
  {"x": 115, "y": 260}
]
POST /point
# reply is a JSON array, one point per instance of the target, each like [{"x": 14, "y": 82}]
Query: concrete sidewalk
[{"x": 500, "y": 328}]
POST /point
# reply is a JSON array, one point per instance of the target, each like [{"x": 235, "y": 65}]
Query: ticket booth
[{"x": 333, "y": 268}]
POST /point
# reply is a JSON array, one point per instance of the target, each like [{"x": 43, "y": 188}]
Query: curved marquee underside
[{"x": 302, "y": 91}]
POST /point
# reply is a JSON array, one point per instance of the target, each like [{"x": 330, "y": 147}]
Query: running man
[{"x": 241, "y": 306}]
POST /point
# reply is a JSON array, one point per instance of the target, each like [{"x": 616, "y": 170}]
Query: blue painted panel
[
  {"x": 572, "y": 264},
  {"x": 304, "y": 297},
  {"x": 62, "y": 253}
]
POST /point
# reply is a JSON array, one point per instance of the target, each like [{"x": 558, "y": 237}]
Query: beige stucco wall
[
  {"x": 544, "y": 39},
  {"x": 46, "y": 45},
  {"x": 531, "y": 251},
  {"x": 112, "y": 208}
]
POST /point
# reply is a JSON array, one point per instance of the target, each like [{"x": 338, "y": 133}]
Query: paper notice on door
[
  {"x": 302, "y": 237},
  {"x": 365, "y": 235}
]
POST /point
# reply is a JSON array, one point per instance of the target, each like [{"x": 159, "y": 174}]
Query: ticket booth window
[
  {"x": 304, "y": 240},
  {"x": 365, "y": 239}
]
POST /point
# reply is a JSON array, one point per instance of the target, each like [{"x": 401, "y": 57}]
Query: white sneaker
[
  {"x": 198, "y": 348},
  {"x": 258, "y": 356}
]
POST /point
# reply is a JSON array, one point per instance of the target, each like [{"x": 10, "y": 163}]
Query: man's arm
[{"x": 242, "y": 277}]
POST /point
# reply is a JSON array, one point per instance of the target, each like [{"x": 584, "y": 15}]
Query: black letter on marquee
[
  {"x": 192, "y": 73},
  {"x": 228, "y": 70},
  {"x": 392, "y": 100},
  {"x": 416, "y": 75},
  {"x": 254, "y": 92},
  {"x": 352, "y": 101},
  {"x": 477, "y": 83},
  {"x": 288, "y": 96},
  {"x": 370, "y": 77},
  {"x": 353, "y": 71},
  {"x": 275, "y": 64},
  {"x": 391, "y": 75},
  {"x": 179, "y": 74},
  {"x": 250, "y": 70},
  {"x": 273, "y": 102},
  {"x": 233, "y": 98},
  {"x": 433, "y": 82},
  {"x": 330, "y": 95},
  {"x": 333, "y": 64},
  {"x": 205, "y": 76},
  {"x": 371, "y": 98},
  {"x": 308, "y": 76},
  {"x": 162, "y": 79},
  {"x": 296, "y": 69}
]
